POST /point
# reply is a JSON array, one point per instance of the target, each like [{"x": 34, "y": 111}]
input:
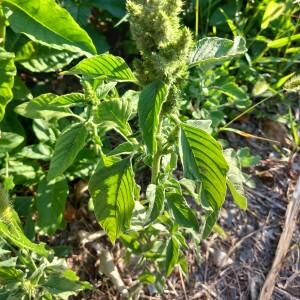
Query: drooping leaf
[
  {"x": 156, "y": 196},
  {"x": 211, "y": 51},
  {"x": 10, "y": 227},
  {"x": 112, "y": 188},
  {"x": 50, "y": 202},
  {"x": 39, "y": 58},
  {"x": 7, "y": 74},
  {"x": 41, "y": 108},
  {"x": 49, "y": 24},
  {"x": 235, "y": 179},
  {"x": 184, "y": 216},
  {"x": 67, "y": 147},
  {"x": 104, "y": 66},
  {"x": 172, "y": 255},
  {"x": 150, "y": 104},
  {"x": 114, "y": 113},
  {"x": 203, "y": 160}
]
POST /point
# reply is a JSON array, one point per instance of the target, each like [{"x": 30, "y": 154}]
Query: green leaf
[
  {"x": 211, "y": 51},
  {"x": 203, "y": 160},
  {"x": 279, "y": 43},
  {"x": 172, "y": 255},
  {"x": 10, "y": 227},
  {"x": 112, "y": 188},
  {"x": 67, "y": 147},
  {"x": 50, "y": 203},
  {"x": 235, "y": 179},
  {"x": 62, "y": 282},
  {"x": 41, "y": 108},
  {"x": 156, "y": 197},
  {"x": 104, "y": 66},
  {"x": 68, "y": 100},
  {"x": 150, "y": 104},
  {"x": 7, "y": 74},
  {"x": 9, "y": 141},
  {"x": 184, "y": 216},
  {"x": 273, "y": 11},
  {"x": 115, "y": 114},
  {"x": 49, "y": 24},
  {"x": 39, "y": 58}
]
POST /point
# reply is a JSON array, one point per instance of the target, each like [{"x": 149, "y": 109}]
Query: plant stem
[
  {"x": 157, "y": 156},
  {"x": 2, "y": 27},
  {"x": 197, "y": 19}
]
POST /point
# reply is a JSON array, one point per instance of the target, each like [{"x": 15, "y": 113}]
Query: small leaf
[
  {"x": 115, "y": 114},
  {"x": 172, "y": 255},
  {"x": 104, "y": 66},
  {"x": 235, "y": 179},
  {"x": 149, "y": 108},
  {"x": 112, "y": 188},
  {"x": 211, "y": 51},
  {"x": 67, "y": 147},
  {"x": 48, "y": 23},
  {"x": 156, "y": 197},
  {"x": 7, "y": 74},
  {"x": 184, "y": 216},
  {"x": 279, "y": 43},
  {"x": 203, "y": 161},
  {"x": 41, "y": 108},
  {"x": 50, "y": 202}
]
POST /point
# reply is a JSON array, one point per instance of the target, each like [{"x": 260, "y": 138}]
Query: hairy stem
[{"x": 2, "y": 27}]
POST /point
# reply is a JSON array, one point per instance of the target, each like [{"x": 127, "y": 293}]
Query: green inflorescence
[{"x": 163, "y": 43}]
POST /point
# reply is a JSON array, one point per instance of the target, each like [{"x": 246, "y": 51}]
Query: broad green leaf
[
  {"x": 125, "y": 148},
  {"x": 203, "y": 160},
  {"x": 156, "y": 197},
  {"x": 114, "y": 113},
  {"x": 104, "y": 66},
  {"x": 7, "y": 74},
  {"x": 112, "y": 188},
  {"x": 150, "y": 104},
  {"x": 184, "y": 216},
  {"x": 10, "y": 227},
  {"x": 50, "y": 203},
  {"x": 48, "y": 23},
  {"x": 67, "y": 147},
  {"x": 39, "y": 58},
  {"x": 273, "y": 11},
  {"x": 68, "y": 100},
  {"x": 9, "y": 141},
  {"x": 41, "y": 108},
  {"x": 20, "y": 90},
  {"x": 235, "y": 179},
  {"x": 172, "y": 255},
  {"x": 211, "y": 51}
]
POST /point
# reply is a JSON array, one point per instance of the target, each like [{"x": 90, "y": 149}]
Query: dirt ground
[{"x": 228, "y": 268}]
